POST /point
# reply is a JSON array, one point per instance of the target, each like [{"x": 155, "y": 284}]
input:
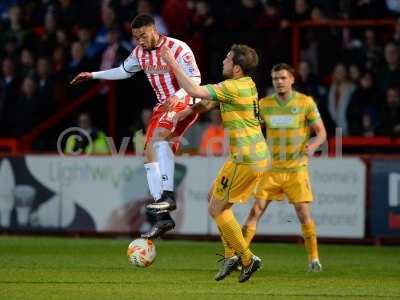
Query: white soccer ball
[{"x": 141, "y": 252}]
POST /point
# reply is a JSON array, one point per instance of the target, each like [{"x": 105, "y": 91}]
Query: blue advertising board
[{"x": 385, "y": 193}]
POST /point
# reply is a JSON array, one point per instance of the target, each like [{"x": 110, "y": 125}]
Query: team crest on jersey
[
  {"x": 295, "y": 110},
  {"x": 187, "y": 58}
]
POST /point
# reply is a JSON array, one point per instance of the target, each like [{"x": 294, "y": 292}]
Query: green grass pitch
[{"x": 67, "y": 268}]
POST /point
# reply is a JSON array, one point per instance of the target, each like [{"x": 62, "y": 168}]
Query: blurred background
[{"x": 346, "y": 55}]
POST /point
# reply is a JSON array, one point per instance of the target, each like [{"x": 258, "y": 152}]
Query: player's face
[
  {"x": 145, "y": 36},
  {"x": 282, "y": 81},
  {"x": 227, "y": 70}
]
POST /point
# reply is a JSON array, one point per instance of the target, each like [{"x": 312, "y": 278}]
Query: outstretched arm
[
  {"x": 111, "y": 74},
  {"x": 185, "y": 82}
]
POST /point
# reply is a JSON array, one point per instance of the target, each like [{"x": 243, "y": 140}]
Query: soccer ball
[{"x": 141, "y": 252}]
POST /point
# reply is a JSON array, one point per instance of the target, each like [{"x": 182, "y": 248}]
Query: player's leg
[
  {"x": 166, "y": 139},
  {"x": 308, "y": 229},
  {"x": 255, "y": 214},
  {"x": 234, "y": 183},
  {"x": 151, "y": 164},
  {"x": 249, "y": 228},
  {"x": 161, "y": 151},
  {"x": 299, "y": 193},
  {"x": 269, "y": 187},
  {"x": 154, "y": 169}
]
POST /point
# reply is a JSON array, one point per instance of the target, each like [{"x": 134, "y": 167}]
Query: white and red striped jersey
[{"x": 160, "y": 77}]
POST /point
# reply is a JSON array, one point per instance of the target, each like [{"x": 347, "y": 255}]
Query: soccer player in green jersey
[{"x": 238, "y": 101}]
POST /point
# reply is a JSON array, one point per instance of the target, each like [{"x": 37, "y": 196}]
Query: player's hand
[
  {"x": 82, "y": 77},
  {"x": 311, "y": 148},
  {"x": 167, "y": 55},
  {"x": 170, "y": 103},
  {"x": 181, "y": 115}
]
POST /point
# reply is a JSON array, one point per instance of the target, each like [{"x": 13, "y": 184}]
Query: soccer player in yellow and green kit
[
  {"x": 238, "y": 101},
  {"x": 289, "y": 117}
]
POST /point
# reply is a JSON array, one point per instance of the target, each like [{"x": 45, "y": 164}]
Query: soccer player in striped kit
[{"x": 163, "y": 136}]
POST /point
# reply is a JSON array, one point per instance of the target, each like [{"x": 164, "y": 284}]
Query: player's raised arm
[
  {"x": 129, "y": 67},
  {"x": 185, "y": 82}
]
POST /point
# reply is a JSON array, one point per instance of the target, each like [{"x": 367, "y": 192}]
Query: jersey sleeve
[
  {"x": 312, "y": 112},
  {"x": 131, "y": 63},
  {"x": 223, "y": 92},
  {"x": 188, "y": 63}
]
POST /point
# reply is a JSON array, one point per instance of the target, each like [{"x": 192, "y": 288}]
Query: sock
[
  {"x": 154, "y": 179},
  {"x": 165, "y": 158},
  {"x": 310, "y": 240},
  {"x": 228, "y": 250},
  {"x": 248, "y": 233},
  {"x": 232, "y": 233}
]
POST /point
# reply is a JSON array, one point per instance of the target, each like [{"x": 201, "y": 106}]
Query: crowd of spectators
[{"x": 352, "y": 73}]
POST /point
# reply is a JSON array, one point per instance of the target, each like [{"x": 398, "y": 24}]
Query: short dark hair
[
  {"x": 283, "y": 66},
  {"x": 245, "y": 57},
  {"x": 142, "y": 20}
]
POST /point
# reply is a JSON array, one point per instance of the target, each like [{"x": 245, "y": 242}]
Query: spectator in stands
[
  {"x": 390, "y": 114},
  {"x": 213, "y": 139},
  {"x": 389, "y": 75},
  {"x": 27, "y": 63},
  {"x": 354, "y": 74},
  {"x": 201, "y": 19},
  {"x": 62, "y": 38},
  {"x": 16, "y": 28},
  {"x": 59, "y": 71},
  {"x": 244, "y": 14},
  {"x": 146, "y": 7},
  {"x": 69, "y": 13},
  {"x": 363, "y": 110},
  {"x": 200, "y": 25},
  {"x": 45, "y": 87},
  {"x": 86, "y": 40},
  {"x": 306, "y": 82},
  {"x": 109, "y": 20},
  {"x": 340, "y": 92},
  {"x": 372, "y": 52},
  {"x": 297, "y": 10},
  {"x": 9, "y": 88},
  {"x": 78, "y": 62},
  {"x": 10, "y": 48},
  {"x": 80, "y": 143},
  {"x": 115, "y": 53},
  {"x": 48, "y": 33},
  {"x": 176, "y": 13},
  {"x": 22, "y": 113}
]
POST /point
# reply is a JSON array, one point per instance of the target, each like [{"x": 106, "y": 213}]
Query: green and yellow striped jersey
[
  {"x": 288, "y": 128},
  {"x": 239, "y": 110}
]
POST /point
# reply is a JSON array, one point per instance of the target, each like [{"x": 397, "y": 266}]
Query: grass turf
[{"x": 63, "y": 268}]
